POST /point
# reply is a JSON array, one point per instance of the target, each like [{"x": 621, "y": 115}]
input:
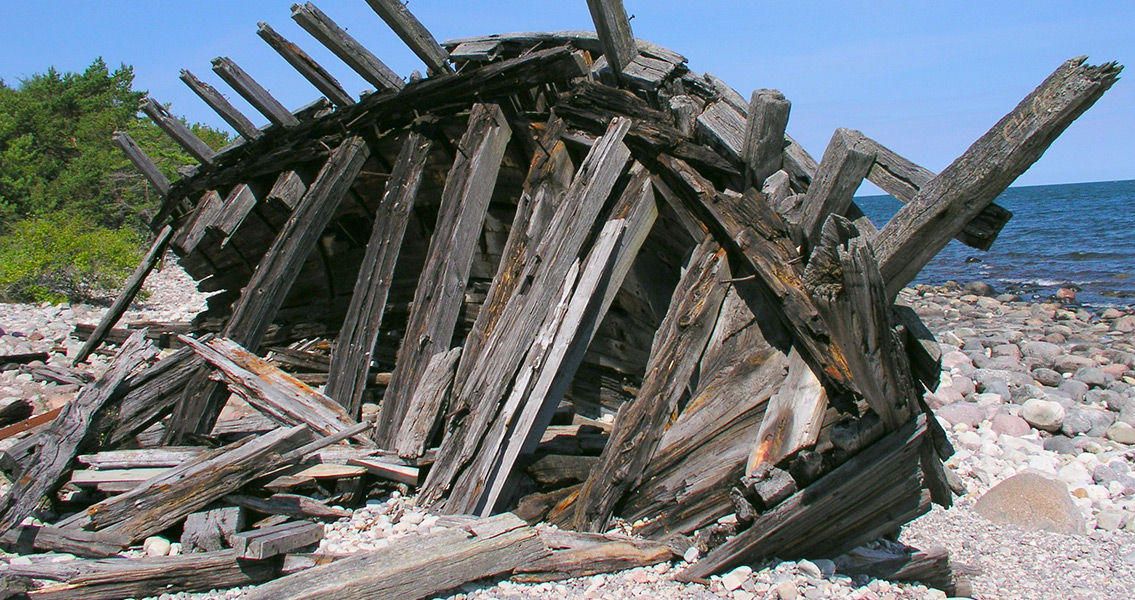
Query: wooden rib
[
  {"x": 178, "y": 132},
  {"x": 350, "y": 51},
  {"x": 842, "y": 169},
  {"x": 143, "y": 163},
  {"x": 614, "y": 29},
  {"x": 129, "y": 290},
  {"x": 351, "y": 355},
  {"x": 414, "y": 34},
  {"x": 943, "y": 207},
  {"x": 253, "y": 92},
  {"x": 441, "y": 286},
  {"x": 306, "y": 65},
  {"x": 239, "y": 203},
  {"x": 190, "y": 234},
  {"x": 221, "y": 106},
  {"x": 763, "y": 150}
]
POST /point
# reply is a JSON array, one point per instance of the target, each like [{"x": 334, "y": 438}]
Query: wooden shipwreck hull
[{"x": 579, "y": 280}]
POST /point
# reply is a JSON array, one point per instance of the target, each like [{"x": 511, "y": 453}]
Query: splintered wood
[{"x": 562, "y": 275}]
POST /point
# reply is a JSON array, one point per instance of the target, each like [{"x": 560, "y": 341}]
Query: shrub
[{"x": 60, "y": 257}]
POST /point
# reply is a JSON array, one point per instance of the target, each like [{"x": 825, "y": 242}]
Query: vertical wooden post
[
  {"x": 349, "y": 50},
  {"x": 414, "y": 34},
  {"x": 256, "y": 95},
  {"x": 763, "y": 152},
  {"x": 351, "y": 356},
  {"x": 306, "y": 65},
  {"x": 142, "y": 162},
  {"x": 221, "y": 105},
  {"x": 176, "y": 130},
  {"x": 614, "y": 29},
  {"x": 441, "y": 286}
]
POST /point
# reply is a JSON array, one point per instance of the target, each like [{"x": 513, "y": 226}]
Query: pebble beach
[{"x": 1042, "y": 392}]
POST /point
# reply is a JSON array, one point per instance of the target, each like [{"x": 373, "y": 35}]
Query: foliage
[
  {"x": 56, "y": 153},
  {"x": 60, "y": 257}
]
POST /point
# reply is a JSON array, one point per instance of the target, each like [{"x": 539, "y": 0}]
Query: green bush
[{"x": 60, "y": 257}]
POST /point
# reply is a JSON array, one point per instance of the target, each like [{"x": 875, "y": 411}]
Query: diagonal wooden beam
[
  {"x": 349, "y": 50},
  {"x": 312, "y": 71},
  {"x": 221, "y": 106},
  {"x": 414, "y": 34},
  {"x": 614, "y": 29},
  {"x": 351, "y": 355},
  {"x": 252, "y": 91},
  {"x": 842, "y": 169},
  {"x": 143, "y": 163},
  {"x": 178, "y": 132},
  {"x": 441, "y": 286},
  {"x": 960, "y": 192}
]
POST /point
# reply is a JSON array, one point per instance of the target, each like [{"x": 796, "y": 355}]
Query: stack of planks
[{"x": 562, "y": 275}]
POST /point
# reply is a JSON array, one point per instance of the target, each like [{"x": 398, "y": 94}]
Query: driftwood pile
[{"x": 563, "y": 276}]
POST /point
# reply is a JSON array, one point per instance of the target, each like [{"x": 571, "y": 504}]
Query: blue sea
[{"x": 1078, "y": 234}]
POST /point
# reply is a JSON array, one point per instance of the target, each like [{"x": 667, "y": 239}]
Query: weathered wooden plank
[
  {"x": 150, "y": 396},
  {"x": 441, "y": 285},
  {"x": 435, "y": 563},
  {"x": 143, "y": 163},
  {"x": 577, "y": 554},
  {"x": 844, "y": 281},
  {"x": 93, "y": 478},
  {"x": 129, "y": 290},
  {"x": 253, "y": 92},
  {"x": 390, "y": 471},
  {"x": 674, "y": 355},
  {"x": 555, "y": 356},
  {"x": 312, "y": 71},
  {"x": 50, "y": 454},
  {"x": 842, "y": 169},
  {"x": 647, "y": 72},
  {"x": 114, "y": 578},
  {"x": 221, "y": 106},
  {"x": 763, "y": 149},
  {"x": 190, "y": 234},
  {"x": 29, "y": 539},
  {"x": 614, "y": 29},
  {"x": 211, "y": 530},
  {"x": 178, "y": 132},
  {"x": 351, "y": 354},
  {"x": 584, "y": 40},
  {"x": 15, "y": 411},
  {"x": 792, "y": 420},
  {"x": 274, "y": 393},
  {"x": 274, "y": 276},
  {"x": 349, "y": 50},
  {"x": 238, "y": 204},
  {"x": 943, "y": 207},
  {"x": 291, "y": 505},
  {"x": 166, "y": 499},
  {"x": 414, "y": 34},
  {"x": 823, "y": 514},
  {"x": 287, "y": 191},
  {"x": 272, "y": 541},
  {"x": 482, "y": 390},
  {"x": 427, "y": 404}
]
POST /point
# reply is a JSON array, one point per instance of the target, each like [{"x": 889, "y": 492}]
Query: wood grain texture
[
  {"x": 614, "y": 29},
  {"x": 143, "y": 163},
  {"x": 312, "y": 71},
  {"x": 253, "y": 92},
  {"x": 349, "y": 50},
  {"x": 178, "y": 132},
  {"x": 221, "y": 105},
  {"x": 413, "y": 34},
  {"x": 763, "y": 150},
  {"x": 428, "y": 404},
  {"x": 842, "y": 169}
]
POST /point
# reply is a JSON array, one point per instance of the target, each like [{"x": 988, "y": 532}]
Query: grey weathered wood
[
  {"x": 844, "y": 281},
  {"x": 614, "y": 29},
  {"x": 647, "y": 72},
  {"x": 143, "y": 163},
  {"x": 350, "y": 51},
  {"x": 389, "y": 470},
  {"x": 427, "y": 404},
  {"x": 306, "y": 65},
  {"x": 190, "y": 233},
  {"x": 351, "y": 355},
  {"x": 763, "y": 150},
  {"x": 291, "y": 505},
  {"x": 674, "y": 355},
  {"x": 584, "y": 40},
  {"x": 115, "y": 578},
  {"x": 52, "y": 450},
  {"x": 792, "y": 420},
  {"x": 273, "y": 392},
  {"x": 253, "y": 92},
  {"x": 435, "y": 563},
  {"x": 441, "y": 285},
  {"x": 577, "y": 554},
  {"x": 555, "y": 357},
  {"x": 178, "y": 132},
  {"x": 221, "y": 106},
  {"x": 29, "y": 539},
  {"x": 414, "y": 34},
  {"x": 129, "y": 290},
  {"x": 287, "y": 191},
  {"x": 828, "y": 516},
  {"x": 238, "y": 204},
  {"x": 274, "y": 276},
  {"x": 166, "y": 499},
  {"x": 150, "y": 396},
  {"x": 942, "y": 208},
  {"x": 211, "y": 530},
  {"x": 842, "y": 169},
  {"x": 278, "y": 539},
  {"x": 487, "y": 381},
  {"x": 114, "y": 478}
]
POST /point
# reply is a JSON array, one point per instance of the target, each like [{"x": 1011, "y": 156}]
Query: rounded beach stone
[
  {"x": 1093, "y": 376},
  {"x": 1076, "y": 421},
  {"x": 961, "y": 412},
  {"x": 1010, "y": 425},
  {"x": 1070, "y": 363},
  {"x": 1121, "y": 432},
  {"x": 1032, "y": 501},
  {"x": 1045, "y": 376},
  {"x": 1078, "y": 390},
  {"x": 979, "y": 288},
  {"x": 1043, "y": 414},
  {"x": 1042, "y": 350}
]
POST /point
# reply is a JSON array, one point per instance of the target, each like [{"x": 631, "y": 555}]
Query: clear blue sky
[{"x": 924, "y": 78}]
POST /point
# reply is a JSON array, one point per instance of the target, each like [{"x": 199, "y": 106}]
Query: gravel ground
[{"x": 1027, "y": 387}]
